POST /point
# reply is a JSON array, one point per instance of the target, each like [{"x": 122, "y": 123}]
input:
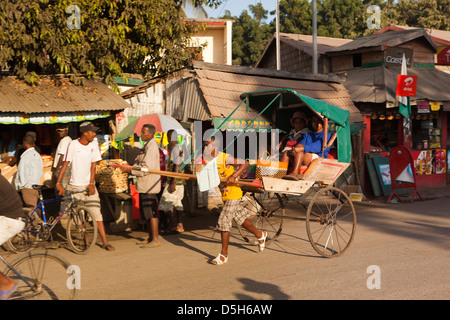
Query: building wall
[
  {"x": 293, "y": 60},
  {"x": 218, "y": 41},
  {"x": 423, "y": 54}
]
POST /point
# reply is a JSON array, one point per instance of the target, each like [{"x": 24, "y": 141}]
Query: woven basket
[
  {"x": 271, "y": 168},
  {"x": 111, "y": 180}
]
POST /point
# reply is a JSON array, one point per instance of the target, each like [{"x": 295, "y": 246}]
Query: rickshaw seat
[
  {"x": 303, "y": 169},
  {"x": 332, "y": 154}
]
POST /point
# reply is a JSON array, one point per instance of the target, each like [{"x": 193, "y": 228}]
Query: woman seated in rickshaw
[
  {"x": 299, "y": 123},
  {"x": 308, "y": 149}
]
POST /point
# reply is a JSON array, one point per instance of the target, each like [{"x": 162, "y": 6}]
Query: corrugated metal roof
[
  {"x": 378, "y": 84},
  {"x": 389, "y": 39},
  {"x": 304, "y": 43},
  {"x": 208, "y": 90},
  {"x": 181, "y": 96},
  {"x": 438, "y": 36},
  {"x": 221, "y": 90},
  {"x": 57, "y": 94}
]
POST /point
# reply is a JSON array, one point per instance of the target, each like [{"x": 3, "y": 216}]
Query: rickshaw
[{"x": 330, "y": 214}]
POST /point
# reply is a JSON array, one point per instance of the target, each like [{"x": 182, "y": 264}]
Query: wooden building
[
  {"x": 296, "y": 51},
  {"x": 441, "y": 38},
  {"x": 371, "y": 65},
  {"x": 208, "y": 93}
]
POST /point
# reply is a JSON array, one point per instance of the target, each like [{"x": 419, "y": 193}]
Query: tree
[
  {"x": 295, "y": 16},
  {"x": 113, "y": 37},
  {"x": 250, "y": 35},
  {"x": 433, "y": 14},
  {"x": 341, "y": 18}
]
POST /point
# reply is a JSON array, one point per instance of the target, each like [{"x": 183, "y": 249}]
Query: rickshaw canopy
[{"x": 285, "y": 101}]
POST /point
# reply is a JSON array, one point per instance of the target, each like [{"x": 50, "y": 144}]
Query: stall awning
[
  {"x": 55, "y": 99},
  {"x": 378, "y": 84},
  {"x": 51, "y": 117}
]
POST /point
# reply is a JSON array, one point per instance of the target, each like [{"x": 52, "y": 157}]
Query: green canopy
[{"x": 290, "y": 101}]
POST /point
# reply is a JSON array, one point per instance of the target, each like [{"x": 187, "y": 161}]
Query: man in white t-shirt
[
  {"x": 83, "y": 155},
  {"x": 61, "y": 149}
]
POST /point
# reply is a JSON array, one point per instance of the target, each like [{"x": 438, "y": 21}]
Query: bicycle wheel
[
  {"x": 81, "y": 230},
  {"x": 44, "y": 276},
  {"x": 25, "y": 239},
  {"x": 330, "y": 222},
  {"x": 266, "y": 213}
]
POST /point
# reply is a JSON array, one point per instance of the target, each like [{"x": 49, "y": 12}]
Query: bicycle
[
  {"x": 41, "y": 275},
  {"x": 81, "y": 229}
]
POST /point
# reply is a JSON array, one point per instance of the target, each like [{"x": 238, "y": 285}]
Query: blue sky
[{"x": 237, "y": 6}]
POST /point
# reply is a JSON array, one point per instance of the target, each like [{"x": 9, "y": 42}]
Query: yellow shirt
[{"x": 234, "y": 191}]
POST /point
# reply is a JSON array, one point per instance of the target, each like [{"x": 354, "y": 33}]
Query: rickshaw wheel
[
  {"x": 330, "y": 222},
  {"x": 266, "y": 213}
]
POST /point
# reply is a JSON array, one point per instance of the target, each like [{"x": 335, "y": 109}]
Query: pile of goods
[
  {"x": 8, "y": 172},
  {"x": 47, "y": 161},
  {"x": 111, "y": 179}
]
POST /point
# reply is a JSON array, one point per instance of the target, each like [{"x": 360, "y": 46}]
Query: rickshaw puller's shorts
[{"x": 232, "y": 209}]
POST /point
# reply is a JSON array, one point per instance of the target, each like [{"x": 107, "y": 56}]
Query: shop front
[
  {"x": 428, "y": 142},
  {"x": 43, "y": 107},
  {"x": 425, "y": 132}
]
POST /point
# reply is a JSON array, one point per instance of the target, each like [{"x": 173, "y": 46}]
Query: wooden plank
[
  {"x": 326, "y": 170},
  {"x": 185, "y": 176},
  {"x": 286, "y": 186}
]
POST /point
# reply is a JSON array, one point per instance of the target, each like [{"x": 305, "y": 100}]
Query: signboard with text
[
  {"x": 406, "y": 85},
  {"x": 394, "y": 56},
  {"x": 443, "y": 55},
  {"x": 241, "y": 124}
]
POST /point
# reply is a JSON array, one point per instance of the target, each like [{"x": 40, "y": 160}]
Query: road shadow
[
  {"x": 189, "y": 239},
  {"x": 426, "y": 221},
  {"x": 252, "y": 286}
]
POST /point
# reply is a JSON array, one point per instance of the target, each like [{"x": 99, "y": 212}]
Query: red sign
[
  {"x": 120, "y": 116},
  {"x": 443, "y": 55},
  {"x": 406, "y": 85}
]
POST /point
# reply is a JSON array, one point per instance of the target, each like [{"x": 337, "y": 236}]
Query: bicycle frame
[
  {"x": 41, "y": 206},
  {"x": 8, "y": 265}
]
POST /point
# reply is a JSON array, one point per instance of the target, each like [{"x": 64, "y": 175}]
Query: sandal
[
  {"x": 108, "y": 247},
  {"x": 263, "y": 239},
  {"x": 4, "y": 294},
  {"x": 218, "y": 260}
]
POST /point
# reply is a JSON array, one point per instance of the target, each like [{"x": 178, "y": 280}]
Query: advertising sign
[
  {"x": 430, "y": 161},
  {"x": 394, "y": 56},
  {"x": 443, "y": 55},
  {"x": 406, "y": 85},
  {"x": 241, "y": 124},
  {"x": 423, "y": 106}
]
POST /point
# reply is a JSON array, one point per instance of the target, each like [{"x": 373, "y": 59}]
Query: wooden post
[{"x": 325, "y": 135}]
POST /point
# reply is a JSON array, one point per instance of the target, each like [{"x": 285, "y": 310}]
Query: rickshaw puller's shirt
[{"x": 234, "y": 191}]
